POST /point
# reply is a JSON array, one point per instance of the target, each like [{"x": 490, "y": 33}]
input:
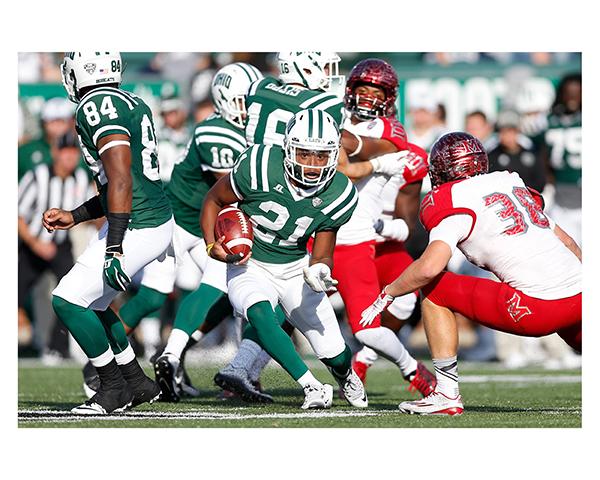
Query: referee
[{"x": 62, "y": 184}]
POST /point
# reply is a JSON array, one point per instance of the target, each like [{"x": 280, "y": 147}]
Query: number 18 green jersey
[
  {"x": 107, "y": 111},
  {"x": 284, "y": 216}
]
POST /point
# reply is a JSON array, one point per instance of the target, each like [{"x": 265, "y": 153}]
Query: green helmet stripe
[
  {"x": 310, "y": 125},
  {"x": 304, "y": 81},
  {"x": 320, "y": 114},
  {"x": 243, "y": 67}
]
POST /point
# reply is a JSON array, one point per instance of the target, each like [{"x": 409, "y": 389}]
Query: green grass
[{"x": 530, "y": 398}]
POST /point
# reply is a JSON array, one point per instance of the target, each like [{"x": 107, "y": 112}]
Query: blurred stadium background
[{"x": 483, "y": 93}]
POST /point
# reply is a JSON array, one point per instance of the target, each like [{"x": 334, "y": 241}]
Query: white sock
[
  {"x": 366, "y": 355},
  {"x": 308, "y": 379},
  {"x": 446, "y": 374},
  {"x": 177, "y": 342},
  {"x": 125, "y": 356},
  {"x": 103, "y": 359},
  {"x": 246, "y": 355},
  {"x": 385, "y": 342},
  {"x": 259, "y": 364},
  {"x": 197, "y": 335}
]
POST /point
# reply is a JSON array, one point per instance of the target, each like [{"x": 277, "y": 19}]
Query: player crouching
[{"x": 289, "y": 195}]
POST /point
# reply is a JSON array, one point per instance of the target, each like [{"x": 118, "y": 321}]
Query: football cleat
[
  {"x": 185, "y": 383},
  {"x": 147, "y": 391},
  {"x": 91, "y": 380},
  {"x": 165, "y": 368},
  {"x": 106, "y": 401},
  {"x": 360, "y": 368},
  {"x": 236, "y": 380},
  {"x": 421, "y": 380},
  {"x": 353, "y": 390},
  {"x": 317, "y": 396},
  {"x": 435, "y": 403}
]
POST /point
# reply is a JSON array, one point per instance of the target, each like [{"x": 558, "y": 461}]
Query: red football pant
[
  {"x": 361, "y": 275},
  {"x": 501, "y": 307}
]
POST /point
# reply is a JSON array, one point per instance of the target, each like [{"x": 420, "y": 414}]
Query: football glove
[
  {"x": 395, "y": 229},
  {"x": 114, "y": 274},
  {"x": 318, "y": 277},
  {"x": 382, "y": 302},
  {"x": 390, "y": 163}
]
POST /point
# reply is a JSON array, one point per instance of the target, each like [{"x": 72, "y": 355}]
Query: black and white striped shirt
[{"x": 40, "y": 189}]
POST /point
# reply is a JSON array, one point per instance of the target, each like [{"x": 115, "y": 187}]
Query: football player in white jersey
[{"x": 499, "y": 224}]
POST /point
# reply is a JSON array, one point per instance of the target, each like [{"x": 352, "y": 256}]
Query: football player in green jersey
[
  {"x": 118, "y": 141},
  {"x": 211, "y": 153},
  {"x": 290, "y": 194}
]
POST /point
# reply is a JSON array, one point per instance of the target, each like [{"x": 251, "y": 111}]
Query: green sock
[
  {"x": 274, "y": 340},
  {"x": 195, "y": 307},
  {"x": 145, "y": 302},
  {"x": 340, "y": 365},
  {"x": 117, "y": 338},
  {"x": 84, "y": 325},
  {"x": 249, "y": 331}
]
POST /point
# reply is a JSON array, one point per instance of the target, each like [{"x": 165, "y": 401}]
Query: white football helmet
[
  {"x": 229, "y": 89},
  {"x": 84, "y": 69},
  {"x": 316, "y": 131},
  {"x": 309, "y": 68}
]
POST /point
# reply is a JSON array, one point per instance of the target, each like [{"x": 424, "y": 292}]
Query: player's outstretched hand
[
  {"x": 218, "y": 252},
  {"x": 318, "y": 277},
  {"x": 379, "y": 305},
  {"x": 57, "y": 219}
]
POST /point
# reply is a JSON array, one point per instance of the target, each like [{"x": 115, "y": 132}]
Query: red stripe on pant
[
  {"x": 358, "y": 283},
  {"x": 501, "y": 307}
]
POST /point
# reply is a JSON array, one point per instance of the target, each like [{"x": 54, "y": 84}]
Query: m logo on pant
[{"x": 515, "y": 309}]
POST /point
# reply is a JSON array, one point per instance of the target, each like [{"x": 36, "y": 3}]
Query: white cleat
[
  {"x": 353, "y": 390},
  {"x": 436, "y": 403},
  {"x": 317, "y": 396}
]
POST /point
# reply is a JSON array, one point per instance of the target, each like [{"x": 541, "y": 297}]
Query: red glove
[{"x": 416, "y": 164}]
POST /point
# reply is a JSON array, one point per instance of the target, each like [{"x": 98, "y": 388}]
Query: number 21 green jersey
[
  {"x": 107, "y": 111},
  {"x": 284, "y": 216}
]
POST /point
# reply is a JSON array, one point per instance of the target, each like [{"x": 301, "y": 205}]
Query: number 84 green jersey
[
  {"x": 284, "y": 217},
  {"x": 107, "y": 111}
]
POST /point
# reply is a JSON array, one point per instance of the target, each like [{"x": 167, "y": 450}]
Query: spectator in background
[
  {"x": 62, "y": 184},
  {"x": 561, "y": 150},
  {"x": 174, "y": 133},
  {"x": 57, "y": 118},
  {"x": 516, "y": 152},
  {"x": 38, "y": 67},
  {"x": 477, "y": 124},
  {"x": 201, "y": 96},
  {"x": 423, "y": 126}
]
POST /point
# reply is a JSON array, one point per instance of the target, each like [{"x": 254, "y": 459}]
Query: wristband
[
  {"x": 360, "y": 145},
  {"x": 117, "y": 224},
  {"x": 209, "y": 248},
  {"x": 89, "y": 210}
]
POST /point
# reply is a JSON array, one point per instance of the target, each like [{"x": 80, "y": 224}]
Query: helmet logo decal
[{"x": 90, "y": 68}]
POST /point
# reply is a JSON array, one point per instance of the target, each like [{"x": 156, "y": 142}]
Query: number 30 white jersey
[{"x": 509, "y": 233}]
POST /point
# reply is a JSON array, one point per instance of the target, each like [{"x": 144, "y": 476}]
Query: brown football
[{"x": 236, "y": 227}]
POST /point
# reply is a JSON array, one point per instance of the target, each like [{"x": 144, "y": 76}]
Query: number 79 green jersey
[
  {"x": 107, "y": 111},
  {"x": 284, "y": 216}
]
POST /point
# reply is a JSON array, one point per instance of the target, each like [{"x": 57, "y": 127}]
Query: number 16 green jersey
[{"x": 107, "y": 111}]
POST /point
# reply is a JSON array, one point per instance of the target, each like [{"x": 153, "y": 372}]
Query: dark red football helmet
[
  {"x": 378, "y": 73},
  {"x": 456, "y": 155}
]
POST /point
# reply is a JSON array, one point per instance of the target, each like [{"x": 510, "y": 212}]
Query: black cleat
[
  {"x": 184, "y": 382},
  {"x": 106, "y": 401},
  {"x": 236, "y": 381},
  {"x": 146, "y": 391},
  {"x": 164, "y": 372},
  {"x": 91, "y": 380}
]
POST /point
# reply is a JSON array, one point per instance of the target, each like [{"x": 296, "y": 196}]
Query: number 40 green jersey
[
  {"x": 283, "y": 216},
  {"x": 107, "y": 111}
]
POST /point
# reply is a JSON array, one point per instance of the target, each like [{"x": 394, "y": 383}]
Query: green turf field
[{"x": 493, "y": 397}]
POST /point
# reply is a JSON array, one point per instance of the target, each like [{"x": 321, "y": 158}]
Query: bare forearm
[
  {"x": 120, "y": 194},
  {"x": 413, "y": 278},
  {"x": 210, "y": 210}
]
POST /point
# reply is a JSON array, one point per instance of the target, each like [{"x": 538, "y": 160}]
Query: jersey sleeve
[
  {"x": 438, "y": 205},
  {"x": 340, "y": 210},
  {"x": 240, "y": 176},
  {"x": 103, "y": 115},
  {"x": 452, "y": 230}
]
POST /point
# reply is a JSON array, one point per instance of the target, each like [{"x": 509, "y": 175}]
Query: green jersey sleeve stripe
[
  {"x": 349, "y": 205},
  {"x": 234, "y": 187},
  {"x": 264, "y": 164},
  {"x": 328, "y": 104},
  {"x": 316, "y": 99},
  {"x": 253, "y": 177},
  {"x": 103, "y": 91},
  {"x": 134, "y": 98},
  {"x": 222, "y": 140},
  {"x": 101, "y": 130},
  {"x": 340, "y": 199},
  {"x": 221, "y": 130}
]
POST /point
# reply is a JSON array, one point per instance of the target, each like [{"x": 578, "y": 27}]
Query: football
[{"x": 236, "y": 227}]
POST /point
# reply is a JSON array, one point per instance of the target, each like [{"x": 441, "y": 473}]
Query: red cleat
[
  {"x": 360, "y": 369},
  {"x": 422, "y": 380}
]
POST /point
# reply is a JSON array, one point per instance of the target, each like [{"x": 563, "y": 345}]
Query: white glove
[
  {"x": 318, "y": 277},
  {"x": 390, "y": 163},
  {"x": 382, "y": 302},
  {"x": 395, "y": 229}
]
